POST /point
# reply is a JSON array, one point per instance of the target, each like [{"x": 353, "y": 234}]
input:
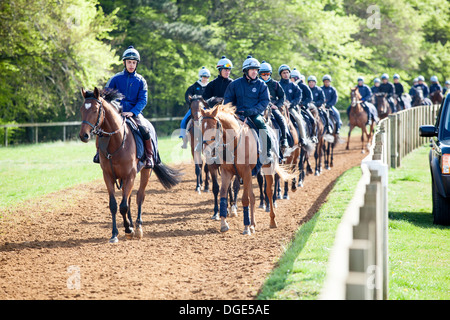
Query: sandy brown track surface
[{"x": 182, "y": 255}]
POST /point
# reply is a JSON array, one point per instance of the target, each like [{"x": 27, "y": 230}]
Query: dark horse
[
  {"x": 118, "y": 157},
  {"x": 419, "y": 99},
  {"x": 382, "y": 105}
]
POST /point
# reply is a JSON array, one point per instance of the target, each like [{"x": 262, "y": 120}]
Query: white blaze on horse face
[{"x": 87, "y": 106}]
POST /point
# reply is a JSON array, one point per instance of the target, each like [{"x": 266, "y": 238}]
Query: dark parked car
[{"x": 440, "y": 162}]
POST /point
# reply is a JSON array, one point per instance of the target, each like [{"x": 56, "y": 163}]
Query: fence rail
[
  {"x": 64, "y": 125},
  {"x": 358, "y": 264}
]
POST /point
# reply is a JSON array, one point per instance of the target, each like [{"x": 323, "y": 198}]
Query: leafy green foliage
[{"x": 49, "y": 48}]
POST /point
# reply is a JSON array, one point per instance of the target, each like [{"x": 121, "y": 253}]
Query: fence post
[
  {"x": 6, "y": 136},
  {"x": 64, "y": 133},
  {"x": 36, "y": 134}
]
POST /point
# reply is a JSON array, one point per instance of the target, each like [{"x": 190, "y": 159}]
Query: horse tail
[
  {"x": 167, "y": 176},
  {"x": 285, "y": 172}
]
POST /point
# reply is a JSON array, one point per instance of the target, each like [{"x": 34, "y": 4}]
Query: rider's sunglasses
[{"x": 265, "y": 73}]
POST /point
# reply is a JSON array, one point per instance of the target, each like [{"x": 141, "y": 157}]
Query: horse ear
[
  {"x": 83, "y": 93},
  {"x": 215, "y": 111},
  {"x": 96, "y": 93},
  {"x": 203, "y": 112}
]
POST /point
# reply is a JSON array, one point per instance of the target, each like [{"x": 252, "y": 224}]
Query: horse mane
[
  {"x": 227, "y": 108},
  {"x": 111, "y": 94}
]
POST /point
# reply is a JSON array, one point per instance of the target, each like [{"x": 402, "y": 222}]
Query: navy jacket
[
  {"x": 216, "y": 88},
  {"x": 331, "y": 96},
  {"x": 307, "y": 96},
  {"x": 276, "y": 92},
  {"x": 318, "y": 96},
  {"x": 251, "y": 97},
  {"x": 195, "y": 89},
  {"x": 134, "y": 87},
  {"x": 365, "y": 92},
  {"x": 398, "y": 89},
  {"x": 387, "y": 88},
  {"x": 435, "y": 87},
  {"x": 425, "y": 90},
  {"x": 291, "y": 91},
  {"x": 375, "y": 89}
]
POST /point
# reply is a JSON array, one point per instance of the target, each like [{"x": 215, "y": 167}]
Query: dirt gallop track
[{"x": 57, "y": 247}]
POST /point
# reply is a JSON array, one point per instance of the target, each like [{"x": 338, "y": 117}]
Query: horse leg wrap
[
  {"x": 246, "y": 217},
  {"x": 223, "y": 207}
]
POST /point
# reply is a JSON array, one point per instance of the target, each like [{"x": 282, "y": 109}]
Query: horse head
[
  {"x": 355, "y": 96},
  {"x": 92, "y": 113},
  {"x": 196, "y": 104}
]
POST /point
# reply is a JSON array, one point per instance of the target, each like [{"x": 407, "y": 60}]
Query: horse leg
[
  {"x": 349, "y": 134},
  {"x": 226, "y": 179},
  {"x": 125, "y": 208},
  {"x": 274, "y": 194},
  {"x": 112, "y": 208},
  {"x": 286, "y": 190},
  {"x": 364, "y": 131},
  {"x": 206, "y": 169},
  {"x": 246, "y": 200},
  {"x": 198, "y": 174},
  {"x": 260, "y": 179},
  {"x": 317, "y": 159},
  {"x": 332, "y": 155},
  {"x": 216, "y": 189},
  {"x": 269, "y": 191},
  {"x": 236, "y": 187},
  {"x": 145, "y": 175}
]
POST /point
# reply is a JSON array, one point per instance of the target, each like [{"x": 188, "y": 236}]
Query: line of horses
[{"x": 221, "y": 145}]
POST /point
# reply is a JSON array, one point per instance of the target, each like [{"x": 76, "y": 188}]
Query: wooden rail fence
[{"x": 358, "y": 263}]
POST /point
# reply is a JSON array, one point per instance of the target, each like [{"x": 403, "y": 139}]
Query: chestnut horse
[
  {"x": 358, "y": 118},
  {"x": 196, "y": 104},
  {"x": 236, "y": 145},
  {"x": 118, "y": 157},
  {"x": 436, "y": 97}
]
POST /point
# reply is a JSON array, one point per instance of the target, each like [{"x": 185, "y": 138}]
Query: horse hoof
[
  {"x": 262, "y": 206},
  {"x": 273, "y": 225},
  {"x": 278, "y": 197},
  {"x": 275, "y": 205},
  {"x": 300, "y": 184},
  {"x": 233, "y": 211},
  {"x": 286, "y": 197},
  {"x": 215, "y": 217},
  {"x": 363, "y": 151},
  {"x": 206, "y": 190},
  {"x": 139, "y": 233},
  {"x": 130, "y": 235},
  {"x": 317, "y": 173},
  {"x": 224, "y": 227},
  {"x": 252, "y": 229},
  {"x": 247, "y": 232},
  {"x": 114, "y": 240},
  {"x": 268, "y": 209}
]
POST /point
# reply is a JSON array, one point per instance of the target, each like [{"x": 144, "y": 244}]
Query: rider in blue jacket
[
  {"x": 250, "y": 95},
  {"x": 319, "y": 100},
  {"x": 435, "y": 86},
  {"x": 389, "y": 88},
  {"x": 134, "y": 88},
  {"x": 331, "y": 98},
  {"x": 366, "y": 101}
]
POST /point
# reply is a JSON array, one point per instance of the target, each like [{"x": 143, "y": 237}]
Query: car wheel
[{"x": 441, "y": 208}]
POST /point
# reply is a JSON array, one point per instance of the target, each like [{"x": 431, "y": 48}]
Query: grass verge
[
  {"x": 301, "y": 270},
  {"x": 419, "y": 251}
]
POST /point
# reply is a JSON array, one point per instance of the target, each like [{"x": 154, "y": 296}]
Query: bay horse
[
  {"x": 436, "y": 97},
  {"x": 358, "y": 118},
  {"x": 382, "y": 105},
  {"x": 322, "y": 137},
  {"x": 419, "y": 99},
  {"x": 197, "y": 103},
  {"x": 234, "y": 142},
  {"x": 330, "y": 145},
  {"x": 118, "y": 157}
]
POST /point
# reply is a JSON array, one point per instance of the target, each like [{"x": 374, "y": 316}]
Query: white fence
[{"x": 358, "y": 263}]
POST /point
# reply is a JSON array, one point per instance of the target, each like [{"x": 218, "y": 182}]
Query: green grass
[
  {"x": 30, "y": 171},
  {"x": 419, "y": 251},
  {"x": 301, "y": 270}
]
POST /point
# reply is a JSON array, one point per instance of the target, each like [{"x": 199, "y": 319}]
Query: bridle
[{"x": 96, "y": 129}]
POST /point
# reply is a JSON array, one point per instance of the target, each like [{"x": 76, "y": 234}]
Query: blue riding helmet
[
  {"x": 416, "y": 80},
  {"x": 282, "y": 68},
  {"x": 377, "y": 80},
  {"x": 204, "y": 73},
  {"x": 131, "y": 54},
  {"x": 434, "y": 79},
  {"x": 384, "y": 76},
  {"x": 265, "y": 67},
  {"x": 360, "y": 79},
  {"x": 447, "y": 82},
  {"x": 396, "y": 76},
  {"x": 420, "y": 78},
  {"x": 326, "y": 77},
  {"x": 224, "y": 63},
  {"x": 312, "y": 78},
  {"x": 250, "y": 63}
]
